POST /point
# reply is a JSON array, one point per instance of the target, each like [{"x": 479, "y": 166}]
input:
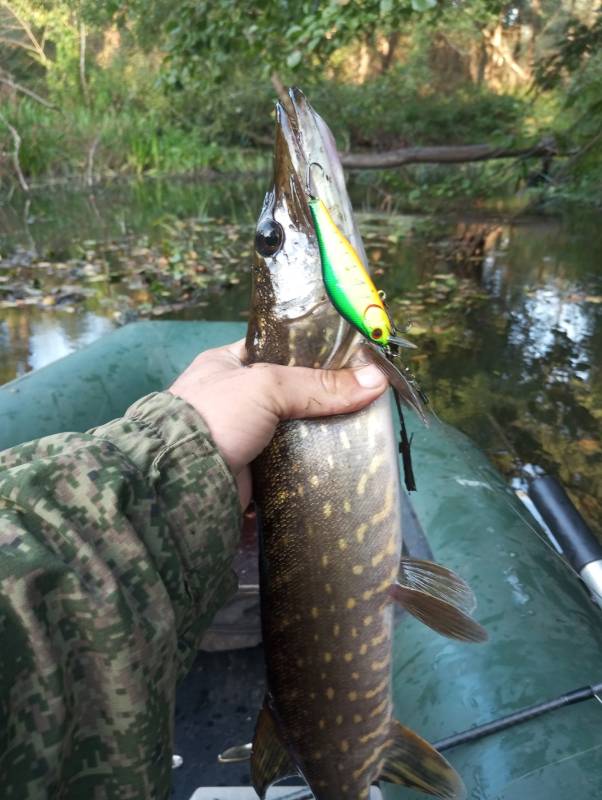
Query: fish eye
[{"x": 269, "y": 237}]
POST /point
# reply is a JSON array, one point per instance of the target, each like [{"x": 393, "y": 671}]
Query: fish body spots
[
  {"x": 357, "y": 569},
  {"x": 321, "y": 724},
  {"x": 346, "y": 506},
  {"x": 336, "y": 629},
  {"x": 314, "y": 480},
  {"x": 380, "y": 707},
  {"x": 345, "y": 440},
  {"x": 363, "y": 649},
  {"x": 348, "y": 657},
  {"x": 352, "y": 696},
  {"x": 377, "y": 666},
  {"x": 328, "y": 657},
  {"x": 375, "y": 463},
  {"x": 377, "y": 689},
  {"x": 367, "y": 595},
  {"x": 361, "y": 484},
  {"x": 368, "y": 620},
  {"x": 378, "y": 558},
  {"x": 328, "y": 588},
  {"x": 300, "y": 490},
  {"x": 330, "y": 461},
  {"x": 351, "y": 603},
  {"x": 339, "y": 719},
  {"x": 344, "y": 746},
  {"x": 325, "y": 560},
  {"x": 327, "y": 510},
  {"x": 342, "y": 543},
  {"x": 387, "y": 508},
  {"x": 380, "y": 731},
  {"x": 361, "y": 532},
  {"x": 329, "y": 693},
  {"x": 376, "y": 640},
  {"x": 315, "y": 612},
  {"x": 357, "y": 718}
]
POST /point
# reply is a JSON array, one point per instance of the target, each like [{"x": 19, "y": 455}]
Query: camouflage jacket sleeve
[{"x": 115, "y": 551}]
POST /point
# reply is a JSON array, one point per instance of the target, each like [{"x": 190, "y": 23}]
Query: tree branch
[
  {"x": 82, "y": 64},
  {"x": 17, "y": 145},
  {"x": 89, "y": 174},
  {"x": 8, "y": 81},
  {"x": 35, "y": 45},
  {"x": 451, "y": 154}
]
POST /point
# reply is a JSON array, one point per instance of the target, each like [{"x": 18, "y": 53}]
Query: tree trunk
[{"x": 82, "y": 64}]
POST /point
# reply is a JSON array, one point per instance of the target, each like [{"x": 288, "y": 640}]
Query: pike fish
[{"x": 327, "y": 493}]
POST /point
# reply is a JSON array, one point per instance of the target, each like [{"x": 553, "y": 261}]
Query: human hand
[{"x": 242, "y": 405}]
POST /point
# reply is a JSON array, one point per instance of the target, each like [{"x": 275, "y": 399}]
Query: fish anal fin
[
  {"x": 439, "y": 615},
  {"x": 411, "y": 761},
  {"x": 270, "y": 761}
]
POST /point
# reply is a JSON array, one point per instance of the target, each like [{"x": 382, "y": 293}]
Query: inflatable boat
[{"x": 520, "y": 717}]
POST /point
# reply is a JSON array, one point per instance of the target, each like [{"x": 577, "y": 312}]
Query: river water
[{"x": 507, "y": 313}]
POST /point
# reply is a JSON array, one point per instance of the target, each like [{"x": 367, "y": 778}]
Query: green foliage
[
  {"x": 151, "y": 86},
  {"x": 574, "y": 71},
  {"x": 399, "y": 108}
]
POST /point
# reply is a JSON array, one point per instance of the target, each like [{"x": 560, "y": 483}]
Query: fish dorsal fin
[
  {"x": 411, "y": 761},
  {"x": 270, "y": 761},
  {"x": 439, "y": 598}
]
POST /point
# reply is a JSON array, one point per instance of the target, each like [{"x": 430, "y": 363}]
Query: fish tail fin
[
  {"x": 439, "y": 598},
  {"x": 270, "y": 762},
  {"x": 411, "y": 761}
]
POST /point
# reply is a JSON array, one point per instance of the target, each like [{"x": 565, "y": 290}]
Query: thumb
[{"x": 306, "y": 392}]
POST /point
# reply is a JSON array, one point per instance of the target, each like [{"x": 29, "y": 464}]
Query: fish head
[{"x": 292, "y": 320}]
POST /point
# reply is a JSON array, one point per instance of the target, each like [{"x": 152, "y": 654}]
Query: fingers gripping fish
[{"x": 328, "y": 500}]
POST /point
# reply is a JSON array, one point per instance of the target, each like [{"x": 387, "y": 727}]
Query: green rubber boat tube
[{"x": 545, "y": 633}]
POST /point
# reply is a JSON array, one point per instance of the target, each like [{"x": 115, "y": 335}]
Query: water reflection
[
  {"x": 30, "y": 339},
  {"x": 47, "y": 342},
  {"x": 508, "y": 318}
]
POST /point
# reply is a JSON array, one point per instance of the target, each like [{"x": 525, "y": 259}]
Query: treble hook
[{"x": 308, "y": 179}]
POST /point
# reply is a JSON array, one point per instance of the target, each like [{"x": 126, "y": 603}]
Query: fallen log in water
[{"x": 449, "y": 154}]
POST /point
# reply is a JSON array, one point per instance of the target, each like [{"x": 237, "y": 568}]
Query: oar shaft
[{"x": 516, "y": 718}]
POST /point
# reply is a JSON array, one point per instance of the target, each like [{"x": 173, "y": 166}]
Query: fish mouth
[
  {"x": 292, "y": 320},
  {"x": 306, "y": 161}
]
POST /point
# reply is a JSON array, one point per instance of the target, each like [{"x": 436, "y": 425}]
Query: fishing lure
[
  {"x": 349, "y": 286},
  {"x": 354, "y": 295}
]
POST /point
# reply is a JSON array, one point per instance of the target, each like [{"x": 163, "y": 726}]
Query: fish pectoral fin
[
  {"x": 407, "y": 393},
  {"x": 439, "y": 598},
  {"x": 270, "y": 761},
  {"x": 411, "y": 761}
]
